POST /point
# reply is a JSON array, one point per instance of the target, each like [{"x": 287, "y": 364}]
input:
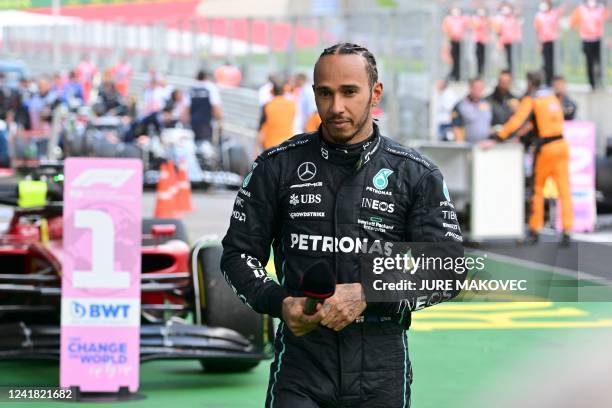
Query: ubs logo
[{"x": 296, "y": 199}]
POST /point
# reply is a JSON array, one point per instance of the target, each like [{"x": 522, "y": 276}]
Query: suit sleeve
[
  {"x": 432, "y": 210},
  {"x": 246, "y": 246},
  {"x": 432, "y": 231}
]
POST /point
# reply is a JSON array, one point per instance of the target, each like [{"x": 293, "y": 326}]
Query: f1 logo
[{"x": 111, "y": 177}]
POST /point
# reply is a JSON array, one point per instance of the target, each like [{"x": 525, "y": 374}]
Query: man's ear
[{"x": 377, "y": 92}]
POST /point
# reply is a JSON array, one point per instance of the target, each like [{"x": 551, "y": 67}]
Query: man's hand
[
  {"x": 294, "y": 317},
  {"x": 487, "y": 144},
  {"x": 344, "y": 307}
]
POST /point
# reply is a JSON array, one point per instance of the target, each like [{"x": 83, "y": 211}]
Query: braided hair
[{"x": 350, "y": 48}]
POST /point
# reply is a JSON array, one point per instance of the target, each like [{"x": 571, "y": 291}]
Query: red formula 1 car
[{"x": 188, "y": 311}]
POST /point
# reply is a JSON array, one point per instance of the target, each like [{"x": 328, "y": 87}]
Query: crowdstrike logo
[
  {"x": 307, "y": 171},
  {"x": 312, "y": 214},
  {"x": 347, "y": 245}
]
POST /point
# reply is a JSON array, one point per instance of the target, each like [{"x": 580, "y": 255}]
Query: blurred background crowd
[{"x": 453, "y": 70}]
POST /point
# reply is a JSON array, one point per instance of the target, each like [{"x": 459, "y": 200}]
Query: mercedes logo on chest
[{"x": 307, "y": 171}]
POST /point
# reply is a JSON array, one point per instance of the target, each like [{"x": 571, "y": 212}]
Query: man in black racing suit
[{"x": 325, "y": 197}]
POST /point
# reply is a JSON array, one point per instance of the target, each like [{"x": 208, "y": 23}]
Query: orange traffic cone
[
  {"x": 183, "y": 197},
  {"x": 173, "y": 179},
  {"x": 164, "y": 204}
]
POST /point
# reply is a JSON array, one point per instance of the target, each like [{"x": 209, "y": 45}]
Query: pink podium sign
[
  {"x": 581, "y": 138},
  {"x": 100, "y": 330}
]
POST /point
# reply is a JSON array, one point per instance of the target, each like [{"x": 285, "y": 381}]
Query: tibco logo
[{"x": 347, "y": 245}]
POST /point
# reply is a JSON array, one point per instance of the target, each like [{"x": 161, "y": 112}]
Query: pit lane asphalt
[{"x": 211, "y": 213}]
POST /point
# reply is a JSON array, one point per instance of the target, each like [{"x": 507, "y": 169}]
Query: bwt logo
[
  {"x": 78, "y": 310},
  {"x": 95, "y": 311}
]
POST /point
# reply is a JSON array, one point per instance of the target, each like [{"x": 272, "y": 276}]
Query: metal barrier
[
  {"x": 241, "y": 111},
  {"x": 487, "y": 187}
]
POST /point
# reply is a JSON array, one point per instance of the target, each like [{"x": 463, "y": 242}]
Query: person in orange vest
[
  {"x": 121, "y": 74},
  {"x": 454, "y": 26},
  {"x": 589, "y": 19},
  {"x": 276, "y": 124},
  {"x": 542, "y": 109},
  {"x": 508, "y": 28},
  {"x": 481, "y": 27},
  {"x": 313, "y": 122},
  {"x": 228, "y": 75},
  {"x": 546, "y": 24}
]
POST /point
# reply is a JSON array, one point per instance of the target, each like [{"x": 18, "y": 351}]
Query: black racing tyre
[
  {"x": 147, "y": 223},
  {"x": 76, "y": 145},
  {"x": 604, "y": 175},
  {"x": 129, "y": 151},
  {"x": 603, "y": 182},
  {"x": 238, "y": 160},
  {"x": 222, "y": 308}
]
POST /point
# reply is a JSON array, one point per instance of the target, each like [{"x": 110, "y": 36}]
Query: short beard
[{"x": 360, "y": 125}]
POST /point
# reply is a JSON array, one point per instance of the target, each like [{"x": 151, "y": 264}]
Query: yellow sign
[
  {"x": 32, "y": 193},
  {"x": 504, "y": 315}
]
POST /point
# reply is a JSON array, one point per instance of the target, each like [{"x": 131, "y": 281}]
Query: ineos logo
[{"x": 307, "y": 171}]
